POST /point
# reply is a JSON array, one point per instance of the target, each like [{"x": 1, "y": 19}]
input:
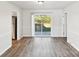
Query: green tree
[{"x": 42, "y": 19}]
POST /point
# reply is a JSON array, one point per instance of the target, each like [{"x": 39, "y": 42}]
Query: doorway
[
  {"x": 42, "y": 25},
  {"x": 14, "y": 27}
]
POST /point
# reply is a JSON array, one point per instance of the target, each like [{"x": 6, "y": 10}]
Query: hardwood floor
[{"x": 41, "y": 47}]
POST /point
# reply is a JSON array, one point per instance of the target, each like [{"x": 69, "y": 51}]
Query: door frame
[{"x": 33, "y": 26}]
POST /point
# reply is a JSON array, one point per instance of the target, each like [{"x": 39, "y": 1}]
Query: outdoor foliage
[{"x": 42, "y": 19}]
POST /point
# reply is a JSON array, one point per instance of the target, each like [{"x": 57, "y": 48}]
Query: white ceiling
[{"x": 46, "y": 6}]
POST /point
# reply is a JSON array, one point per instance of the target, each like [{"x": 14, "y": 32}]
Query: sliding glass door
[{"x": 42, "y": 25}]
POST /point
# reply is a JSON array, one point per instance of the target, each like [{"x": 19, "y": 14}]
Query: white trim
[
  {"x": 5, "y": 50},
  {"x": 33, "y": 25},
  {"x": 27, "y": 36}
]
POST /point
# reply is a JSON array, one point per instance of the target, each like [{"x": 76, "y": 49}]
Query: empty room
[{"x": 39, "y": 28}]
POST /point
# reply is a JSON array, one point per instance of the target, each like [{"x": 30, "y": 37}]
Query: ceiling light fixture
[{"x": 40, "y": 2}]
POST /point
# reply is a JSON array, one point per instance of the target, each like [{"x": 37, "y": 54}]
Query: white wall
[
  {"x": 57, "y": 27},
  {"x": 73, "y": 25},
  {"x": 27, "y": 29},
  {"x": 6, "y": 25},
  {"x": 18, "y": 11}
]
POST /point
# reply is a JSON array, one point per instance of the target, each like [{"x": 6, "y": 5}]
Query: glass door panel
[
  {"x": 42, "y": 25},
  {"x": 46, "y": 25},
  {"x": 37, "y": 25}
]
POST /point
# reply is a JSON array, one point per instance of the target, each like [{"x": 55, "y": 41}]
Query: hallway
[{"x": 41, "y": 47}]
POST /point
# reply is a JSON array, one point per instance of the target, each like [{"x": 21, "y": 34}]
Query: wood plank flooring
[{"x": 41, "y": 47}]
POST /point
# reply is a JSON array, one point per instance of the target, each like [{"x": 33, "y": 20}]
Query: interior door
[{"x": 14, "y": 27}]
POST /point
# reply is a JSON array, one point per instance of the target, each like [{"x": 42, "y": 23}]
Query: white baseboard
[
  {"x": 27, "y": 36},
  {"x": 39, "y": 36},
  {"x": 20, "y": 38},
  {"x": 57, "y": 36},
  {"x": 5, "y": 49}
]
